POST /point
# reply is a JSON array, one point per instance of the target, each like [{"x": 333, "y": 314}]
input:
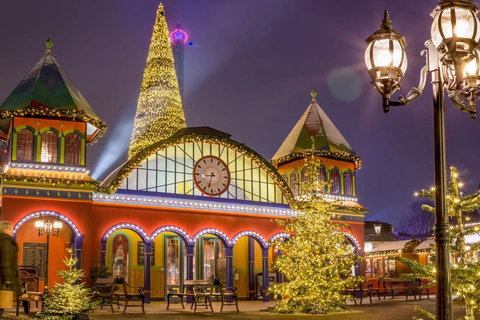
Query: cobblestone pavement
[{"x": 389, "y": 309}]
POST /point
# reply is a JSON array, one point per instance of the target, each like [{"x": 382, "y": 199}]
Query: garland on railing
[
  {"x": 321, "y": 153},
  {"x": 49, "y": 112},
  {"x": 49, "y": 181}
]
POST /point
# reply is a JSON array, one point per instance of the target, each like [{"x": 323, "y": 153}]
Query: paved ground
[{"x": 385, "y": 309}]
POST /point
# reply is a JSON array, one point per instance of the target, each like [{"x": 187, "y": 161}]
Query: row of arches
[
  {"x": 340, "y": 182},
  {"x": 47, "y": 146},
  {"x": 169, "y": 255}
]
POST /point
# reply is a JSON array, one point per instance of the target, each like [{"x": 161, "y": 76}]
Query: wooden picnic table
[{"x": 398, "y": 284}]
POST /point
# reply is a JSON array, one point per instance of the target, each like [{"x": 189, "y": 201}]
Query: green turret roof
[
  {"x": 48, "y": 91},
  {"x": 314, "y": 123}
]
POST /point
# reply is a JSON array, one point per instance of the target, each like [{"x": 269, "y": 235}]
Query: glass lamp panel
[
  {"x": 446, "y": 23},
  {"x": 465, "y": 23},
  {"x": 381, "y": 53},
  {"x": 471, "y": 68},
  {"x": 397, "y": 53},
  {"x": 368, "y": 62},
  {"x": 435, "y": 32},
  {"x": 404, "y": 63}
]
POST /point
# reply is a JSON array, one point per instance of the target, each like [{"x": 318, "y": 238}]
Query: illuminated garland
[
  {"x": 49, "y": 181},
  {"x": 49, "y": 112},
  {"x": 321, "y": 153},
  {"x": 159, "y": 109}
]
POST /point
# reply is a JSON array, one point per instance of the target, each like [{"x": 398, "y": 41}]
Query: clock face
[{"x": 211, "y": 176}]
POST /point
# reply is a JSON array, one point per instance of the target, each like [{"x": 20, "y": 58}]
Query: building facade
[{"x": 189, "y": 203}]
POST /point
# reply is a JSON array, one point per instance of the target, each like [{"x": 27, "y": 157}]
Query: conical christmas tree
[
  {"x": 159, "y": 110},
  {"x": 317, "y": 259},
  {"x": 68, "y": 300}
]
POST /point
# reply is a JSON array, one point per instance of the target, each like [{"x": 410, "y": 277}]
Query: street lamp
[
  {"x": 452, "y": 59},
  {"x": 47, "y": 227}
]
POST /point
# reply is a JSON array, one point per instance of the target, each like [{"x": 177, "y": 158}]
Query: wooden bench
[
  {"x": 127, "y": 297},
  {"x": 227, "y": 295},
  {"x": 103, "y": 289}
]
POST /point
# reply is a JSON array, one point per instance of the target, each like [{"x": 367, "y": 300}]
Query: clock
[{"x": 211, "y": 176}]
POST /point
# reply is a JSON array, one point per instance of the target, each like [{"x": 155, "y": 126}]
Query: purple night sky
[{"x": 252, "y": 77}]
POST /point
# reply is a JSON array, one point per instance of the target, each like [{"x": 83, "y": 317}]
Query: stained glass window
[
  {"x": 335, "y": 179},
  {"x": 25, "y": 145},
  {"x": 294, "y": 182},
  {"x": 322, "y": 176},
  {"x": 73, "y": 149},
  {"x": 171, "y": 171},
  {"x": 348, "y": 183},
  {"x": 49, "y": 147}
]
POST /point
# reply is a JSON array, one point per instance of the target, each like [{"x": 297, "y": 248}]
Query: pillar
[
  {"x": 146, "y": 270},
  {"x": 189, "y": 266},
  {"x": 265, "y": 274},
  {"x": 103, "y": 253},
  {"x": 251, "y": 268},
  {"x": 229, "y": 267},
  {"x": 78, "y": 251}
]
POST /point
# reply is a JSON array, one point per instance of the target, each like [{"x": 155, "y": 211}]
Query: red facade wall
[{"x": 94, "y": 219}]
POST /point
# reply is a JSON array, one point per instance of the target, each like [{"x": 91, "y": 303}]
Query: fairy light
[{"x": 159, "y": 110}]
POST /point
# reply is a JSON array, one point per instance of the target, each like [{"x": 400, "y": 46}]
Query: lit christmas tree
[
  {"x": 159, "y": 110},
  {"x": 466, "y": 273},
  {"x": 317, "y": 259},
  {"x": 68, "y": 300}
]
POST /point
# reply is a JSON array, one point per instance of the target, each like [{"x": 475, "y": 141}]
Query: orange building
[{"x": 189, "y": 203}]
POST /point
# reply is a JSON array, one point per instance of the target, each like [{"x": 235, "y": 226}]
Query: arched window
[
  {"x": 73, "y": 151},
  {"x": 294, "y": 182},
  {"x": 304, "y": 175},
  {"x": 25, "y": 145},
  {"x": 335, "y": 179},
  {"x": 49, "y": 147},
  {"x": 348, "y": 183},
  {"x": 322, "y": 176},
  {"x": 120, "y": 257},
  {"x": 285, "y": 177}
]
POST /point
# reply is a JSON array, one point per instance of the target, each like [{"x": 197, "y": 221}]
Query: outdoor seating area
[
  {"x": 202, "y": 293},
  {"x": 110, "y": 291}
]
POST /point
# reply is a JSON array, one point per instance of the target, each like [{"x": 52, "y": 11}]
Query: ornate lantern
[
  {"x": 386, "y": 60},
  {"x": 455, "y": 33}
]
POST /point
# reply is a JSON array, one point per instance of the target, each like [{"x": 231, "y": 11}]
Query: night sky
[{"x": 251, "y": 76}]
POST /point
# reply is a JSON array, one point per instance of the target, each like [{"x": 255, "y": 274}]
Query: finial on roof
[
  {"x": 386, "y": 22},
  {"x": 314, "y": 94},
  {"x": 49, "y": 44}
]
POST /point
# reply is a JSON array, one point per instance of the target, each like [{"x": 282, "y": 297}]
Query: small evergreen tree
[
  {"x": 466, "y": 273},
  {"x": 317, "y": 259},
  {"x": 68, "y": 300}
]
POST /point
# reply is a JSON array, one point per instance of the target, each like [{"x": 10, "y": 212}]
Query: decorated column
[
  {"x": 190, "y": 257},
  {"x": 251, "y": 268},
  {"x": 103, "y": 253},
  {"x": 146, "y": 270},
  {"x": 78, "y": 251},
  {"x": 265, "y": 271}
]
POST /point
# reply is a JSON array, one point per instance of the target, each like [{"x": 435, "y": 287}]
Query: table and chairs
[{"x": 203, "y": 293}]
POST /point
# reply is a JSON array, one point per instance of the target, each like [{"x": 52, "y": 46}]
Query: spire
[
  {"x": 314, "y": 124},
  {"x": 48, "y": 91},
  {"x": 159, "y": 109}
]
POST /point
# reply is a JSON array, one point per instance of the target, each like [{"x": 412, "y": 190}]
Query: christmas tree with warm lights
[
  {"x": 317, "y": 259},
  {"x": 465, "y": 273},
  {"x": 159, "y": 109},
  {"x": 68, "y": 300}
]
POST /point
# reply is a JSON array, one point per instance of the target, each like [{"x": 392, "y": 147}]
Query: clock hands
[{"x": 211, "y": 177}]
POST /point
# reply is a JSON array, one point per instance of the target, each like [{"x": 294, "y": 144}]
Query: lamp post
[
  {"x": 453, "y": 62},
  {"x": 47, "y": 227}
]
